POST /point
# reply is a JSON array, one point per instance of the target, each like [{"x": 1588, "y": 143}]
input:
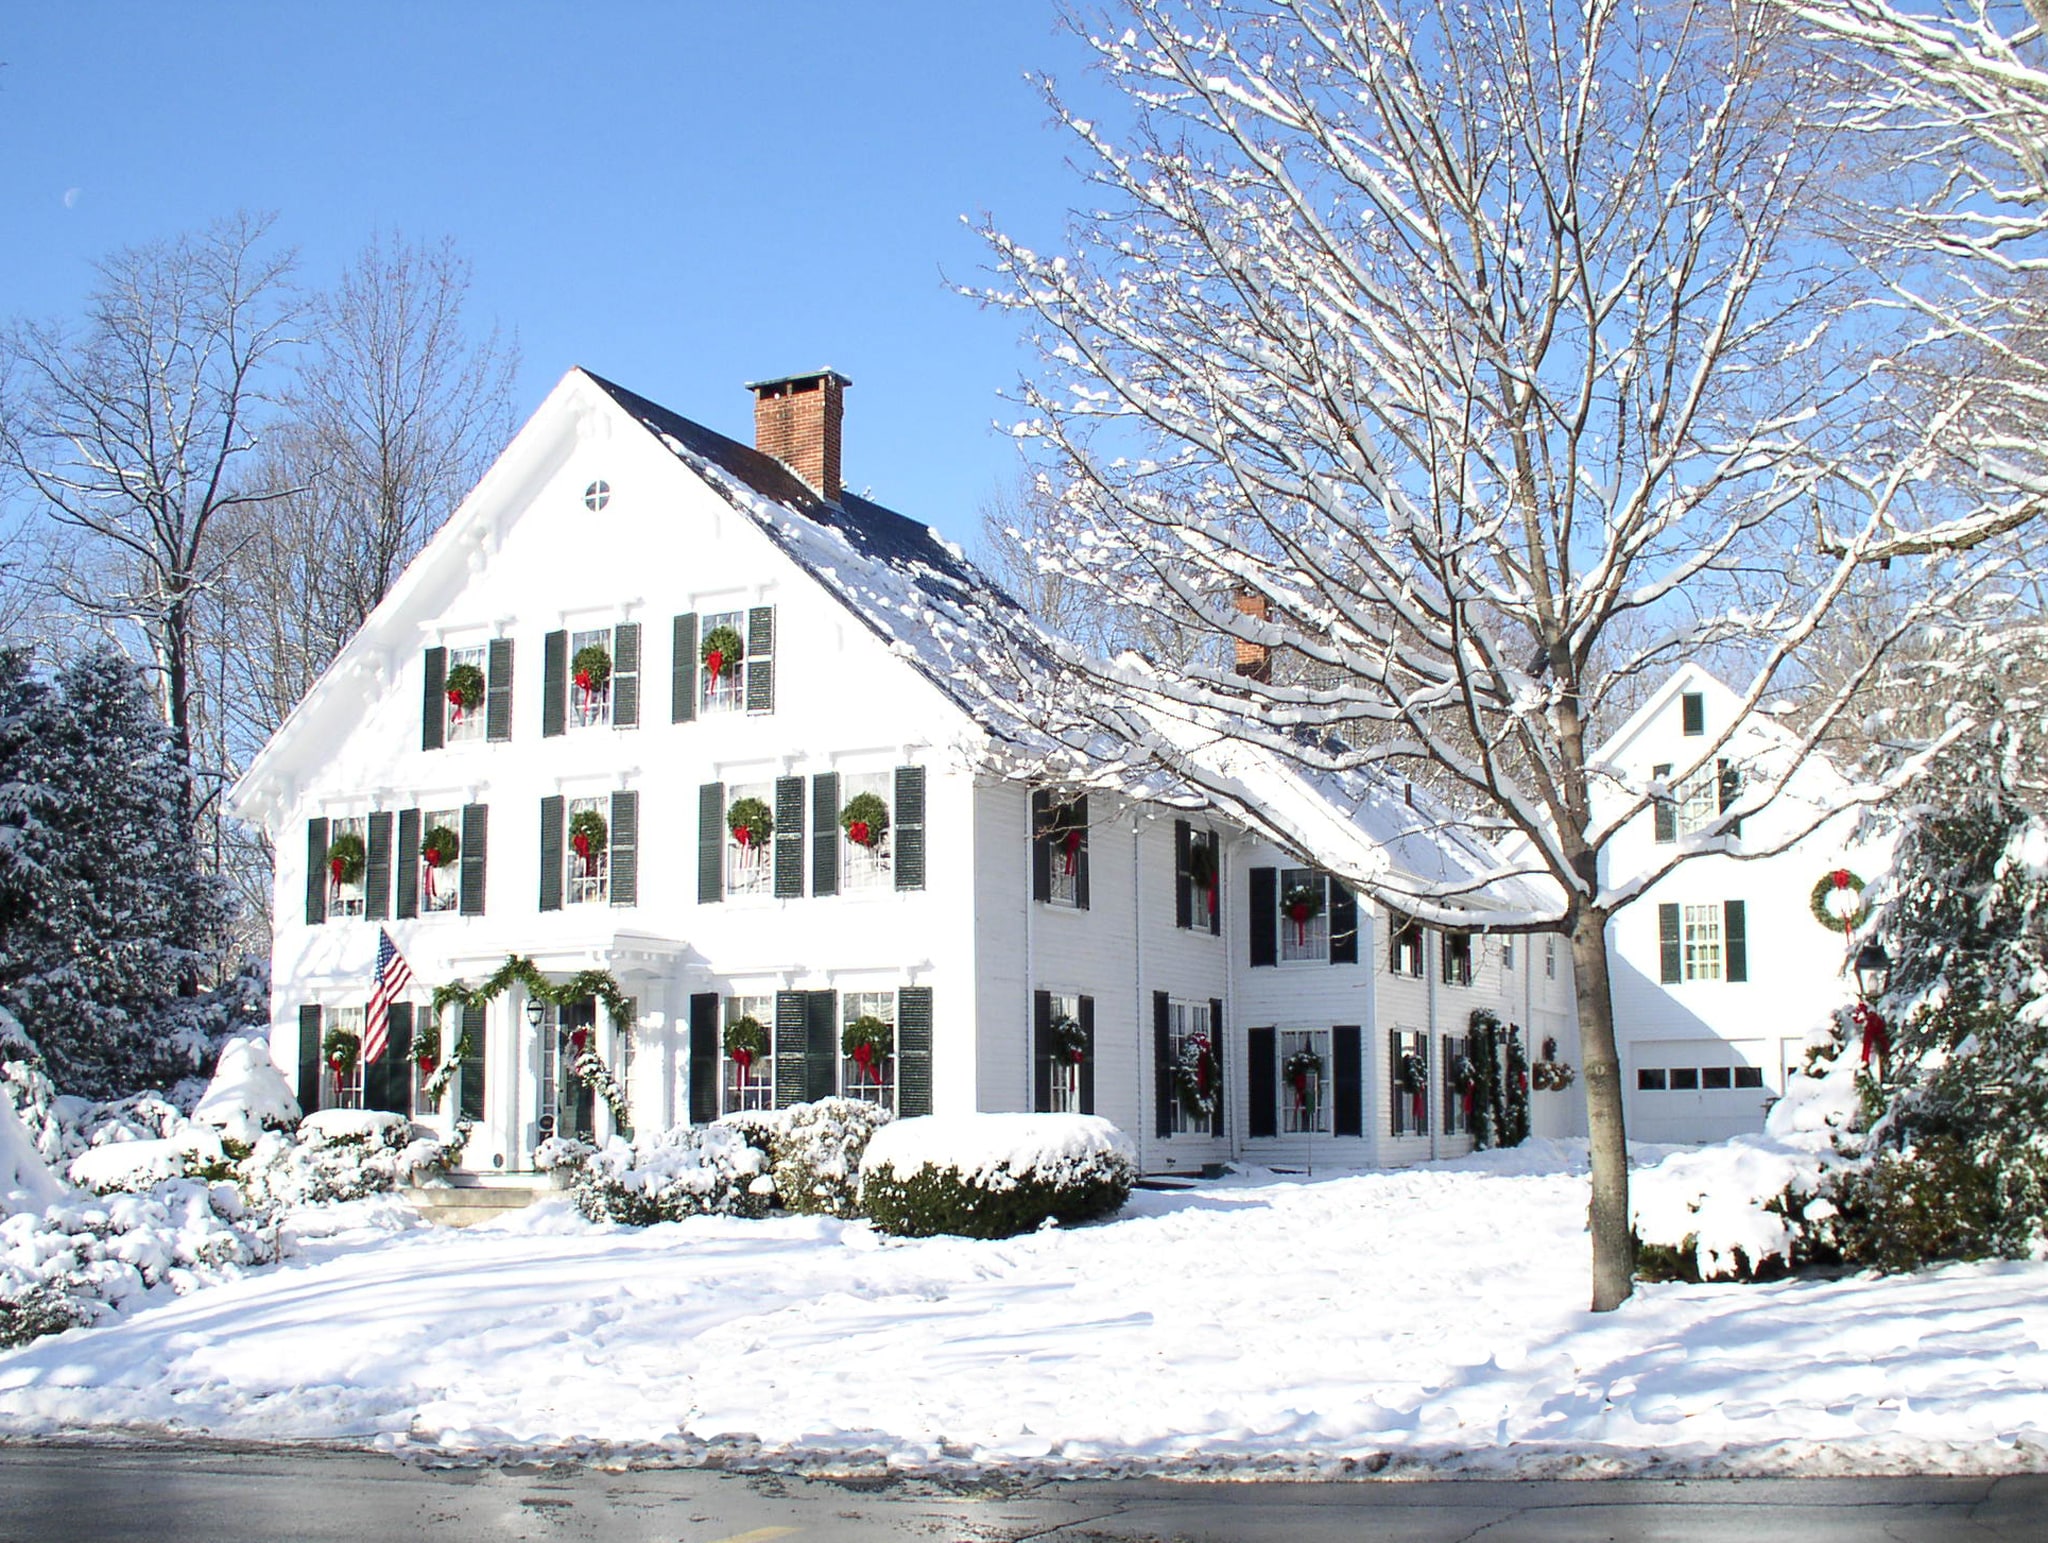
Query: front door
[{"x": 568, "y": 1107}]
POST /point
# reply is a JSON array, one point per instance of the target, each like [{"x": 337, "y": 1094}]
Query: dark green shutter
[
  {"x": 1216, "y": 893},
  {"x": 434, "y": 703},
  {"x": 377, "y": 870},
  {"x": 310, "y": 1060},
  {"x": 1670, "y": 965},
  {"x": 821, "y": 1020},
  {"x": 908, "y": 841},
  {"x": 316, "y": 872},
  {"x": 498, "y": 692},
  {"x": 761, "y": 659},
  {"x": 1162, "y": 1065},
  {"x": 705, "y": 1055},
  {"x": 913, "y": 1052},
  {"x": 1183, "y": 886},
  {"x": 789, "y": 838},
  {"x": 1347, "y": 1081},
  {"x": 1041, "y": 845},
  {"x": 711, "y": 849},
  {"x": 399, "y": 1079},
  {"x": 682, "y": 680},
  {"x": 1087, "y": 1005},
  {"x": 470, "y": 1074},
  {"x": 825, "y": 833},
  {"x": 405, "y": 866},
  {"x": 1078, "y": 814},
  {"x": 792, "y": 1050},
  {"x": 1262, "y": 1082},
  {"x": 1731, "y": 789},
  {"x": 1666, "y": 809},
  {"x": 1735, "y": 921},
  {"x": 1041, "y": 1052},
  {"x": 1262, "y": 914},
  {"x": 475, "y": 839},
  {"x": 1216, "y": 1051},
  {"x": 552, "y": 811},
  {"x": 1692, "y": 708},
  {"x": 625, "y": 843},
  {"x": 626, "y": 675},
  {"x": 554, "y": 684},
  {"x": 1343, "y": 925}
]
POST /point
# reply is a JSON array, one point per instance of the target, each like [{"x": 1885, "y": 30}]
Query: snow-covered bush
[
  {"x": 994, "y": 1175},
  {"x": 814, "y": 1151},
  {"x": 248, "y": 1094},
  {"x": 560, "y": 1152},
  {"x": 691, "y": 1170},
  {"x": 341, "y": 1154}
]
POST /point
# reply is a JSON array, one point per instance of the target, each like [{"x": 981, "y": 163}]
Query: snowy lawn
[{"x": 1431, "y": 1317}]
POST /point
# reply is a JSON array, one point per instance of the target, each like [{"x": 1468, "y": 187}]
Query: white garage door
[{"x": 1685, "y": 1090}]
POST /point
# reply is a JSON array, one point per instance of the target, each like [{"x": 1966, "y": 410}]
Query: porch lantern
[
  {"x": 536, "y": 1010},
  {"x": 1873, "y": 970}
]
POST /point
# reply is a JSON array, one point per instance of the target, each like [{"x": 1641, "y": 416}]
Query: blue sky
[{"x": 680, "y": 196}]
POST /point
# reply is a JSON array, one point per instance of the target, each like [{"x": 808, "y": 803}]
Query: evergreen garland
[
  {"x": 1514, "y": 1125},
  {"x": 865, "y": 819},
  {"x": 1482, "y": 1045},
  {"x": 751, "y": 822},
  {"x": 601, "y": 985},
  {"x": 591, "y": 669},
  {"x": 465, "y": 687}
]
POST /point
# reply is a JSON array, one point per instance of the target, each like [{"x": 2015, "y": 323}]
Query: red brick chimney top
[{"x": 797, "y": 420}]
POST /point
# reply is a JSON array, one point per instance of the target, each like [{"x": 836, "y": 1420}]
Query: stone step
[{"x": 465, "y": 1205}]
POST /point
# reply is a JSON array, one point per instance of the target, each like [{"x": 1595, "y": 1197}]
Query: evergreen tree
[{"x": 106, "y": 921}]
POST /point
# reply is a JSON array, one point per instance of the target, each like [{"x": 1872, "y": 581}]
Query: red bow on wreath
[
  {"x": 578, "y": 1038},
  {"x": 858, "y": 830},
  {"x": 334, "y": 864},
  {"x": 1301, "y": 913},
  {"x": 715, "y": 662},
  {"x": 426, "y": 1061},
  {"x": 581, "y": 843},
  {"x": 1301, "y": 1089},
  {"x": 743, "y": 1058},
  {"x": 1071, "y": 843},
  {"x": 864, "y": 1058},
  {"x": 743, "y": 834},
  {"x": 335, "y": 1062},
  {"x": 583, "y": 680}
]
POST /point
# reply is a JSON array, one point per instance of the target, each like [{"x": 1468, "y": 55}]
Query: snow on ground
[{"x": 1434, "y": 1315}]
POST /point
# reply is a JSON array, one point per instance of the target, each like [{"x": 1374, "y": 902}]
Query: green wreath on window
[
  {"x": 1414, "y": 1073},
  {"x": 426, "y": 1043},
  {"x": 868, "y": 1042},
  {"x": 750, "y": 821},
  {"x": 1194, "y": 1077},
  {"x": 1202, "y": 864},
  {"x": 440, "y": 847},
  {"x": 587, "y": 834},
  {"x": 721, "y": 650},
  {"x": 745, "y": 1040},
  {"x": 341, "y": 1050},
  {"x": 465, "y": 687},
  {"x": 865, "y": 819},
  {"x": 591, "y": 669},
  {"x": 345, "y": 858},
  {"x": 1069, "y": 1040}
]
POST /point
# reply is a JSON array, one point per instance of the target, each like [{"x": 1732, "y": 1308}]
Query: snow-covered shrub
[
  {"x": 994, "y": 1175},
  {"x": 138, "y": 1166},
  {"x": 248, "y": 1094},
  {"x": 559, "y": 1152},
  {"x": 691, "y": 1170},
  {"x": 341, "y": 1154},
  {"x": 814, "y": 1151}
]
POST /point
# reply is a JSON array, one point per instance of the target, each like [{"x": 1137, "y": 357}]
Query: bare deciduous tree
[{"x": 1497, "y": 351}]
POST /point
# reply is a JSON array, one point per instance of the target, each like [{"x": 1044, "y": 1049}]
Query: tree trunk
[{"x": 1614, "y": 1256}]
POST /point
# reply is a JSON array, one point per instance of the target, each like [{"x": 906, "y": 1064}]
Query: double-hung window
[
  {"x": 1404, "y": 946},
  {"x": 1066, "y": 1071},
  {"x": 1189, "y": 1042},
  {"x": 865, "y": 853},
  {"x": 872, "y": 1080},
  {"x": 1304, "y": 916},
  {"x": 752, "y": 1085},
  {"x": 749, "y": 864},
  {"x": 440, "y": 875},
  {"x": 345, "y": 893},
  {"x": 465, "y": 710},
  {"x": 1457, "y": 958},
  {"x": 724, "y": 688},
  {"x": 1702, "y": 941},
  {"x": 347, "y": 1085},
  {"x": 587, "y": 861},
  {"x": 1304, "y": 1082},
  {"x": 590, "y": 687}
]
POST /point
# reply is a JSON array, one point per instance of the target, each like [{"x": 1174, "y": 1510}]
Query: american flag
[{"x": 394, "y": 975}]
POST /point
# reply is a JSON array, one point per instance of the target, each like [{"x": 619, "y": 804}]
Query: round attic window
[{"x": 597, "y": 495}]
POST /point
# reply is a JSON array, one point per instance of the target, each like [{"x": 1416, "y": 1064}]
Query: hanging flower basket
[
  {"x": 591, "y": 669},
  {"x": 721, "y": 650},
  {"x": 746, "y": 1041},
  {"x": 465, "y": 687},
  {"x": 868, "y": 1042},
  {"x": 750, "y": 822},
  {"x": 865, "y": 819},
  {"x": 340, "y": 1050},
  {"x": 1838, "y": 903},
  {"x": 1069, "y": 1041},
  {"x": 1194, "y": 1078},
  {"x": 1302, "y": 904},
  {"x": 426, "y": 1044},
  {"x": 345, "y": 858},
  {"x": 1304, "y": 1073},
  {"x": 587, "y": 837}
]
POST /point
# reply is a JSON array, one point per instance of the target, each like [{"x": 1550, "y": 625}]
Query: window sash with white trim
[
  {"x": 591, "y": 709},
  {"x": 1308, "y": 1116},
  {"x": 588, "y": 881},
  {"x": 753, "y": 1087},
  {"x": 1702, "y": 941},
  {"x": 462, "y": 724},
  {"x": 853, "y": 1081}
]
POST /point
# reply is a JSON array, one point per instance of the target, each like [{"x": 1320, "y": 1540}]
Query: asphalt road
[{"x": 214, "y": 1495}]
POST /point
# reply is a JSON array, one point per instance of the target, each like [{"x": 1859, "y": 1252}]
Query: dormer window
[{"x": 1692, "y": 707}]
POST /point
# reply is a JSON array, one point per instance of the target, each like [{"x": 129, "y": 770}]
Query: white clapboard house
[
  {"x": 1722, "y": 967},
  {"x": 539, "y": 686}
]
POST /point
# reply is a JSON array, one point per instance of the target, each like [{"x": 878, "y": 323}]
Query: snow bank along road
[{"x": 1383, "y": 1323}]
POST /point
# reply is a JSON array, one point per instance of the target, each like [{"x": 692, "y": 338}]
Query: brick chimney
[
  {"x": 796, "y": 420},
  {"x": 1254, "y": 660}
]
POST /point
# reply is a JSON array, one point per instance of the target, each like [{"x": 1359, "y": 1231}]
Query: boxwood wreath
[
  {"x": 1302, "y": 904},
  {"x": 591, "y": 669},
  {"x": 868, "y": 1042},
  {"x": 465, "y": 687},
  {"x": 865, "y": 819},
  {"x": 340, "y": 1049},
  {"x": 1194, "y": 1078},
  {"x": 1069, "y": 1041},
  {"x": 587, "y": 835},
  {"x": 439, "y": 848},
  {"x": 585, "y": 985},
  {"x": 1830, "y": 907},
  {"x": 345, "y": 858},
  {"x": 721, "y": 650},
  {"x": 750, "y": 821},
  {"x": 746, "y": 1040}
]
